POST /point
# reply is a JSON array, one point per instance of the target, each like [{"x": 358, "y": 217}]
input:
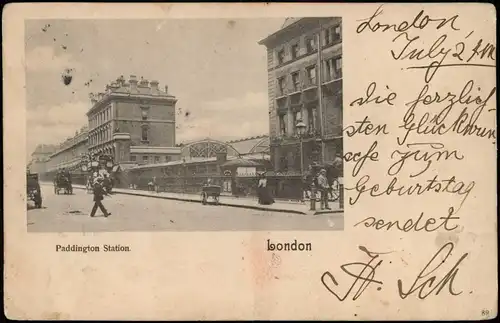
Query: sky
[{"x": 215, "y": 68}]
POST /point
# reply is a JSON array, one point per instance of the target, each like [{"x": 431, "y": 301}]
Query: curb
[{"x": 260, "y": 208}]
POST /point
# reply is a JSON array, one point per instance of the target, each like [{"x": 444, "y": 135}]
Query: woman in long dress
[{"x": 263, "y": 192}]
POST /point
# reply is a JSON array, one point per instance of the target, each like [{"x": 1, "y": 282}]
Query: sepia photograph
[
  {"x": 213, "y": 154},
  {"x": 184, "y": 124}
]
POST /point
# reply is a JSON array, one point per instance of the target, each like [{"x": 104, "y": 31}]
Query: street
[{"x": 71, "y": 213}]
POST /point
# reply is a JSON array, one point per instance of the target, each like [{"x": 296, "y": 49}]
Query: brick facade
[
  {"x": 137, "y": 110},
  {"x": 293, "y": 77}
]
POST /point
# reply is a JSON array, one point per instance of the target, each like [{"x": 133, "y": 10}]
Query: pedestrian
[
  {"x": 323, "y": 187},
  {"x": 155, "y": 185},
  {"x": 99, "y": 193},
  {"x": 263, "y": 193}
]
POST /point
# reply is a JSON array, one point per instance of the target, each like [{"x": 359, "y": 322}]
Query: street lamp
[{"x": 301, "y": 129}]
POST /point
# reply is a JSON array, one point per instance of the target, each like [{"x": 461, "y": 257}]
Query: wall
[
  {"x": 332, "y": 103},
  {"x": 332, "y": 106},
  {"x": 151, "y": 158},
  {"x": 68, "y": 154},
  {"x": 161, "y": 132},
  {"x": 271, "y": 85}
]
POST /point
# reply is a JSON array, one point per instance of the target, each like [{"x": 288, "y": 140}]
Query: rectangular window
[
  {"x": 327, "y": 37},
  {"x": 338, "y": 67},
  {"x": 295, "y": 51},
  {"x": 144, "y": 113},
  {"x": 337, "y": 35},
  {"x": 283, "y": 163},
  {"x": 167, "y": 159},
  {"x": 311, "y": 119},
  {"x": 157, "y": 159},
  {"x": 282, "y": 125},
  {"x": 333, "y": 68},
  {"x": 297, "y": 116},
  {"x": 311, "y": 75},
  {"x": 296, "y": 81},
  {"x": 144, "y": 136},
  {"x": 281, "y": 85},
  {"x": 311, "y": 44},
  {"x": 133, "y": 158},
  {"x": 281, "y": 56},
  {"x": 145, "y": 159}
]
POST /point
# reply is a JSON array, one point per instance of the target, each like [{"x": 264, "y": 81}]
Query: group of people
[{"x": 322, "y": 180}]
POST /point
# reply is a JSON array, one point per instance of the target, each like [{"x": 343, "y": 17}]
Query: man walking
[
  {"x": 323, "y": 186},
  {"x": 99, "y": 193}
]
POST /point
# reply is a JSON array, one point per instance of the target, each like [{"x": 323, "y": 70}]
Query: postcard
[{"x": 250, "y": 161}]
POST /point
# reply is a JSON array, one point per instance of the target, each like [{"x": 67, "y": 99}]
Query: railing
[
  {"x": 281, "y": 187},
  {"x": 336, "y": 75}
]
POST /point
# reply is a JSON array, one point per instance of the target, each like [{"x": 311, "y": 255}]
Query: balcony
[
  {"x": 336, "y": 75},
  {"x": 294, "y": 138}
]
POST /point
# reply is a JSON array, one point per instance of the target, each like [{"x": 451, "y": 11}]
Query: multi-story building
[
  {"x": 304, "y": 63},
  {"x": 69, "y": 152},
  {"x": 133, "y": 121},
  {"x": 39, "y": 158}
]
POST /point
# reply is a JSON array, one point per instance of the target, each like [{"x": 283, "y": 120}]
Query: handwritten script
[
  {"x": 430, "y": 281},
  {"x": 416, "y": 150}
]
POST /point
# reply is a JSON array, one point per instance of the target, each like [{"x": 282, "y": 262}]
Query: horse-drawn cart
[
  {"x": 62, "y": 182},
  {"x": 212, "y": 191}
]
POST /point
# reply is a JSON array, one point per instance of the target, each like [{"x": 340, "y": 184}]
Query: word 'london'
[
  {"x": 85, "y": 249},
  {"x": 294, "y": 246}
]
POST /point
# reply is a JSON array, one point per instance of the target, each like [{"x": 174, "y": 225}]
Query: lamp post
[{"x": 301, "y": 129}]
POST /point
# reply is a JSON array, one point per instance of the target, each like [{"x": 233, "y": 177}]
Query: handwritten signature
[
  {"x": 363, "y": 278},
  {"x": 424, "y": 284}
]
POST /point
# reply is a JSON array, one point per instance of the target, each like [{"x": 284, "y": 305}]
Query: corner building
[
  {"x": 304, "y": 64},
  {"x": 133, "y": 121}
]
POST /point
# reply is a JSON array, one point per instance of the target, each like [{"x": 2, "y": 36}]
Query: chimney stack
[
  {"x": 154, "y": 86},
  {"x": 144, "y": 83},
  {"x": 133, "y": 82}
]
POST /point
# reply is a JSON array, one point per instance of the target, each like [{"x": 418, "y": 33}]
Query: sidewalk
[{"x": 231, "y": 201}]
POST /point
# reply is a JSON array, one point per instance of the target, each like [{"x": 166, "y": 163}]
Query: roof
[
  {"x": 45, "y": 149},
  {"x": 251, "y": 145},
  {"x": 289, "y": 21},
  {"x": 242, "y": 163},
  {"x": 245, "y": 146}
]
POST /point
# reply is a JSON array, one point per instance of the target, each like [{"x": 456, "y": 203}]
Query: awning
[{"x": 122, "y": 167}]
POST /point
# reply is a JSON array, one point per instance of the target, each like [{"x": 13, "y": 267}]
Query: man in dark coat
[{"x": 99, "y": 193}]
